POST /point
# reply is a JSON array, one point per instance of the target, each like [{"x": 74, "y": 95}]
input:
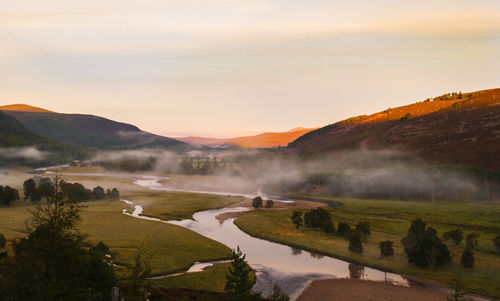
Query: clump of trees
[
  {"x": 55, "y": 261},
  {"x": 386, "y": 248},
  {"x": 456, "y": 235},
  {"x": 423, "y": 247},
  {"x": 36, "y": 189},
  {"x": 8, "y": 195},
  {"x": 319, "y": 218},
  {"x": 297, "y": 219}
]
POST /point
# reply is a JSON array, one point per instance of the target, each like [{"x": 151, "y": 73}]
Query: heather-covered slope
[
  {"x": 459, "y": 129},
  {"x": 90, "y": 131}
]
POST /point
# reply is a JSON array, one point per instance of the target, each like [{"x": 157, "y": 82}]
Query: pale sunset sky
[{"x": 234, "y": 67}]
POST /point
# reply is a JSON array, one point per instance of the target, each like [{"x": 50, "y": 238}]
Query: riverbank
[{"x": 362, "y": 290}]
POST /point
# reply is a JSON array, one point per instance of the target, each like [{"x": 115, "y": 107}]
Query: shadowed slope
[{"x": 456, "y": 129}]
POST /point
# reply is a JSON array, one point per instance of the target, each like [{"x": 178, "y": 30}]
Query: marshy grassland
[{"x": 390, "y": 220}]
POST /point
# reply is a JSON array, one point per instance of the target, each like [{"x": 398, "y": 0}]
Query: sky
[{"x": 224, "y": 68}]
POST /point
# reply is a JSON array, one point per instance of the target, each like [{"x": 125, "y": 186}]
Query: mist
[
  {"x": 383, "y": 174},
  {"x": 28, "y": 153}
]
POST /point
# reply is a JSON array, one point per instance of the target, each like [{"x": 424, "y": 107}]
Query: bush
[
  {"x": 356, "y": 243},
  {"x": 257, "y": 202},
  {"x": 456, "y": 235},
  {"x": 423, "y": 247},
  {"x": 343, "y": 229},
  {"x": 386, "y": 248},
  {"x": 467, "y": 259}
]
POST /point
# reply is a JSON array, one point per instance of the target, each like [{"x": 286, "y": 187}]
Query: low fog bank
[
  {"x": 382, "y": 174},
  {"x": 27, "y": 153}
]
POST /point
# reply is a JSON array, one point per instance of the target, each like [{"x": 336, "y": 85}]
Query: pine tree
[{"x": 238, "y": 284}]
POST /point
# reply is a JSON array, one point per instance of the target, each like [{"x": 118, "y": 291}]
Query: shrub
[
  {"x": 356, "y": 243},
  {"x": 386, "y": 248},
  {"x": 472, "y": 241}
]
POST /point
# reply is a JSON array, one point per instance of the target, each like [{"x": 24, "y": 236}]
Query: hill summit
[{"x": 23, "y": 108}]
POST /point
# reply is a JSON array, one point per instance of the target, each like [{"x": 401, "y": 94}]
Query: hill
[
  {"x": 23, "y": 108},
  {"x": 14, "y": 134},
  {"x": 453, "y": 128},
  {"x": 264, "y": 140},
  {"x": 88, "y": 130}
]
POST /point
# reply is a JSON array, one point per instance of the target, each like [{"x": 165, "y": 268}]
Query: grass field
[
  {"x": 177, "y": 205},
  {"x": 172, "y": 248},
  {"x": 390, "y": 220}
]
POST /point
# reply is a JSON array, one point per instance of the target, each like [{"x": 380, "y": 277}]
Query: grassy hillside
[
  {"x": 453, "y": 128},
  {"x": 88, "y": 130},
  {"x": 15, "y": 138}
]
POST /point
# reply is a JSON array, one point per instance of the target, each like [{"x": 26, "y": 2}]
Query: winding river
[
  {"x": 274, "y": 263},
  {"x": 291, "y": 269}
]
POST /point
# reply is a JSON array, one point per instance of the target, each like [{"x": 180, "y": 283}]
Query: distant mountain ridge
[
  {"x": 88, "y": 130},
  {"x": 264, "y": 140},
  {"x": 453, "y": 128}
]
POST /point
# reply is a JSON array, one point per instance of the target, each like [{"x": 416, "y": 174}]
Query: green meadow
[{"x": 390, "y": 220}]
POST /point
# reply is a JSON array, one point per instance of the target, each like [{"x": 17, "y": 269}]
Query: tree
[
  {"x": 297, "y": 218},
  {"x": 386, "y": 248},
  {"x": 343, "y": 229},
  {"x": 238, "y": 285},
  {"x": 269, "y": 204},
  {"x": 278, "y": 294},
  {"x": 138, "y": 272},
  {"x": 62, "y": 265},
  {"x": 467, "y": 259},
  {"x": 456, "y": 235},
  {"x": 363, "y": 227},
  {"x": 29, "y": 187},
  {"x": 496, "y": 241},
  {"x": 319, "y": 218},
  {"x": 423, "y": 247},
  {"x": 98, "y": 193},
  {"x": 113, "y": 194},
  {"x": 257, "y": 202},
  {"x": 356, "y": 243},
  {"x": 8, "y": 195}
]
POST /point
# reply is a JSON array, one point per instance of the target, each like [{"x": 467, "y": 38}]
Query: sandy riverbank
[{"x": 361, "y": 290}]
